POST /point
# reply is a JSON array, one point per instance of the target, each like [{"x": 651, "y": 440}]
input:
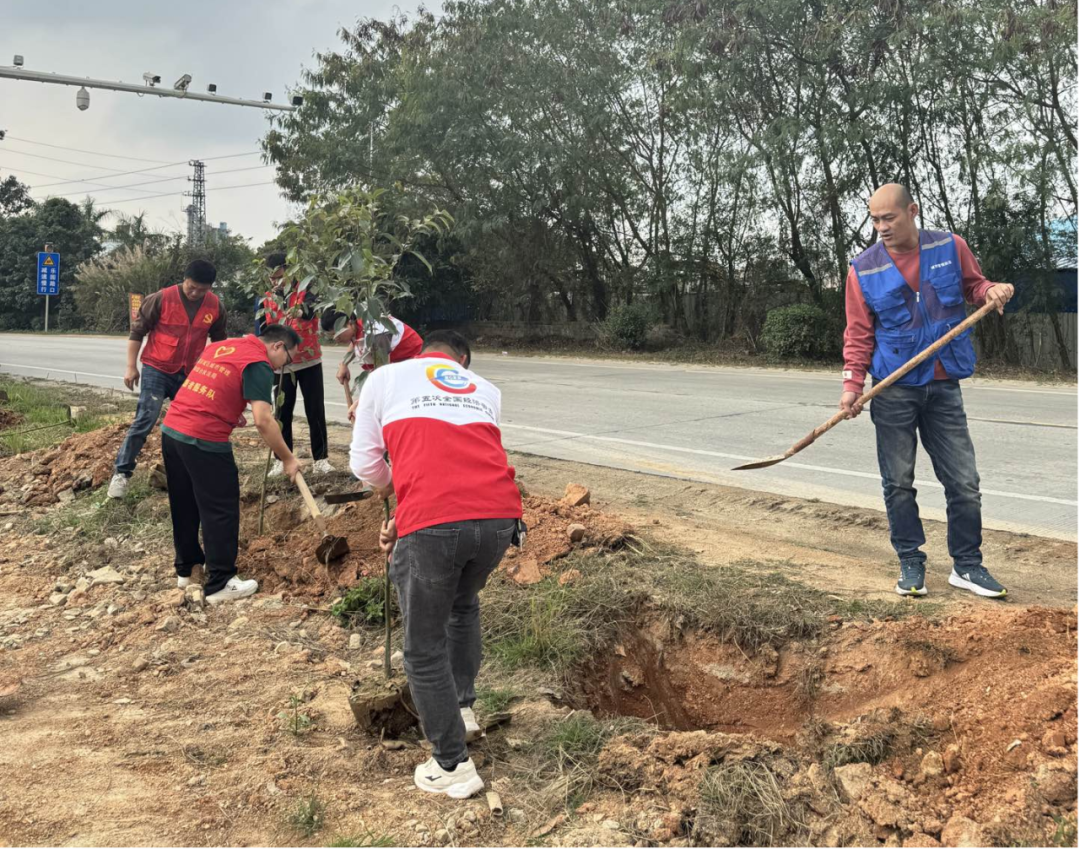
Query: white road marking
[{"x": 568, "y": 434}]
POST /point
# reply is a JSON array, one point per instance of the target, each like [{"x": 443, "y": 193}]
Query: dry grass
[{"x": 742, "y": 804}]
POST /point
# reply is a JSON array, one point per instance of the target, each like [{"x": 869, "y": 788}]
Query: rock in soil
[
  {"x": 382, "y": 705},
  {"x": 576, "y": 495}
]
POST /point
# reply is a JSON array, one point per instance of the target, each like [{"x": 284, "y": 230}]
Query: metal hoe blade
[{"x": 761, "y": 464}]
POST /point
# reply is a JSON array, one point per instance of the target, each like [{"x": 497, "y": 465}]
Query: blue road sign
[{"x": 48, "y": 273}]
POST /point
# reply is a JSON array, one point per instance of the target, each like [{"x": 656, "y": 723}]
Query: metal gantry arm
[{"x": 19, "y": 73}]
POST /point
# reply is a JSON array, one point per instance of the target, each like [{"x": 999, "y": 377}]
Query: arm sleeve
[
  {"x": 858, "y": 336},
  {"x": 975, "y": 284},
  {"x": 258, "y": 383},
  {"x": 217, "y": 329},
  {"x": 149, "y": 314},
  {"x": 367, "y": 448}
]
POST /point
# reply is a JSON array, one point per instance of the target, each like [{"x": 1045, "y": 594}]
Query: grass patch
[
  {"x": 44, "y": 411},
  {"x": 368, "y": 839},
  {"x": 143, "y": 513},
  {"x": 872, "y": 748},
  {"x": 308, "y": 816},
  {"x": 363, "y": 604},
  {"x": 491, "y": 700},
  {"x": 295, "y": 721},
  {"x": 742, "y": 805}
]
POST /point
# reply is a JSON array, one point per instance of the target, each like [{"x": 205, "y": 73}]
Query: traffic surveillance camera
[
  {"x": 151, "y": 79},
  {"x": 182, "y": 83},
  {"x": 2, "y": 134},
  {"x": 82, "y": 99},
  {"x": 297, "y": 100},
  {"x": 18, "y": 60},
  {"x": 266, "y": 96},
  {"x": 212, "y": 88}
]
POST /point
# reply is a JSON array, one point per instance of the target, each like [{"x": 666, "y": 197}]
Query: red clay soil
[
  {"x": 81, "y": 461},
  {"x": 9, "y": 419},
  {"x": 285, "y": 561}
]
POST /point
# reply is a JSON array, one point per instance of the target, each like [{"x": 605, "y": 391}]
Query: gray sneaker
[
  {"x": 118, "y": 486},
  {"x": 912, "y": 579},
  {"x": 977, "y": 579}
]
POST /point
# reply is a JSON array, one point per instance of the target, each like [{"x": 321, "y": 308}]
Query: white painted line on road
[
  {"x": 568, "y": 434},
  {"x": 55, "y": 370}
]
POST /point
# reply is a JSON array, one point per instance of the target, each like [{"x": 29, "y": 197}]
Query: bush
[
  {"x": 361, "y": 605},
  {"x": 627, "y": 326},
  {"x": 800, "y": 331}
]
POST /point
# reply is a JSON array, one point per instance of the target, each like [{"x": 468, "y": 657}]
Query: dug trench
[{"x": 636, "y": 695}]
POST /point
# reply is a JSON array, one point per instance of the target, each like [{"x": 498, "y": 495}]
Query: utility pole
[{"x": 196, "y": 210}]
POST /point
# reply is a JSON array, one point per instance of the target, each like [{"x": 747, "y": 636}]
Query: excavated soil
[
  {"x": 9, "y": 419},
  {"x": 82, "y": 461}
]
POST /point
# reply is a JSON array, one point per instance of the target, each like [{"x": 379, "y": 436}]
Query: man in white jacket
[{"x": 458, "y": 511}]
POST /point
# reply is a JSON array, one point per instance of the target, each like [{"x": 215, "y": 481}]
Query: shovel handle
[
  {"x": 310, "y": 501},
  {"x": 348, "y": 394},
  {"x": 884, "y": 384}
]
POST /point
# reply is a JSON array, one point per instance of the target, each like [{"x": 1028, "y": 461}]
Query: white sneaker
[
  {"x": 236, "y": 588},
  {"x": 118, "y": 486},
  {"x": 277, "y": 470},
  {"x": 183, "y": 583},
  {"x": 461, "y": 783},
  {"x": 322, "y": 467},
  {"x": 472, "y": 727}
]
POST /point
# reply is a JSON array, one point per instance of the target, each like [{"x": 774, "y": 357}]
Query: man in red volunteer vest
[
  {"x": 458, "y": 510},
  {"x": 176, "y": 323},
  {"x": 285, "y": 304},
  {"x": 393, "y": 344},
  {"x": 204, "y": 487}
]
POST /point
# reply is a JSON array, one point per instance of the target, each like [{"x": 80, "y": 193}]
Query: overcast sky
[{"x": 244, "y": 46}]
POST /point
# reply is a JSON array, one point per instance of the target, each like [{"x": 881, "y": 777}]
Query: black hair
[
  {"x": 275, "y": 260},
  {"x": 450, "y": 339},
  {"x": 280, "y": 333},
  {"x": 332, "y": 320},
  {"x": 201, "y": 271}
]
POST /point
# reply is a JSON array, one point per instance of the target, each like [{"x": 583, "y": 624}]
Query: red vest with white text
[
  {"x": 209, "y": 404},
  {"x": 176, "y": 343}
]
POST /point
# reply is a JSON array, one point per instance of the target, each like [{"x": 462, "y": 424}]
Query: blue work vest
[{"x": 906, "y": 322}]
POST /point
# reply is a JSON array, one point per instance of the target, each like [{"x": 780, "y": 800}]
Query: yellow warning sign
[{"x": 48, "y": 261}]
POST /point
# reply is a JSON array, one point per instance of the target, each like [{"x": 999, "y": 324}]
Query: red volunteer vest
[
  {"x": 307, "y": 329},
  {"x": 209, "y": 404},
  {"x": 175, "y": 344}
]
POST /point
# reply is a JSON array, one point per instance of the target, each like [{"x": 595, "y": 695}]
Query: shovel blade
[
  {"x": 331, "y": 548},
  {"x": 761, "y": 464}
]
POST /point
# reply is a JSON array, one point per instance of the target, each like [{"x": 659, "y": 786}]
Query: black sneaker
[
  {"x": 912, "y": 578},
  {"x": 977, "y": 579}
]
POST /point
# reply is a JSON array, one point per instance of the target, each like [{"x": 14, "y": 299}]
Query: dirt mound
[
  {"x": 9, "y": 419},
  {"x": 917, "y": 723},
  {"x": 82, "y": 461},
  {"x": 551, "y": 536},
  {"x": 284, "y": 559}
]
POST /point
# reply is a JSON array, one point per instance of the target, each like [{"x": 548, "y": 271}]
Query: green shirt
[{"x": 258, "y": 385}]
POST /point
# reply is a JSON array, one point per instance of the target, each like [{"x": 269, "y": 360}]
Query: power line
[
  {"x": 151, "y": 182},
  {"x": 174, "y": 194},
  {"x": 69, "y": 162},
  {"x": 144, "y": 170},
  {"x": 56, "y": 177},
  {"x": 90, "y": 152}
]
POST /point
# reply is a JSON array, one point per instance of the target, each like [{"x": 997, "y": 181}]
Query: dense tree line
[{"x": 709, "y": 159}]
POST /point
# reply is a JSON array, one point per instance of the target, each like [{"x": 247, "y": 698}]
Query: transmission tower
[{"x": 196, "y": 210}]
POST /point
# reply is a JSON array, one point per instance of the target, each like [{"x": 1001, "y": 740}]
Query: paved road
[{"x": 697, "y": 422}]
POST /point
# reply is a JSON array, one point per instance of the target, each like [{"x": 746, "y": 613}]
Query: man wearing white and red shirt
[
  {"x": 458, "y": 511},
  {"x": 903, "y": 294},
  {"x": 393, "y": 344}
]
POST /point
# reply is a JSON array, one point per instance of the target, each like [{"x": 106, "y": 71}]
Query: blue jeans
[
  {"x": 936, "y": 412},
  {"x": 155, "y": 387},
  {"x": 438, "y": 573}
]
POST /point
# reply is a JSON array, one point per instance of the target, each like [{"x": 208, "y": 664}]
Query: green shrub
[
  {"x": 361, "y": 605},
  {"x": 627, "y": 326},
  {"x": 800, "y": 331}
]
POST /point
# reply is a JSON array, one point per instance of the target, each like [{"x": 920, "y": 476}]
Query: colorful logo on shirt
[
  {"x": 449, "y": 379},
  {"x": 224, "y": 351},
  {"x": 208, "y": 318}
]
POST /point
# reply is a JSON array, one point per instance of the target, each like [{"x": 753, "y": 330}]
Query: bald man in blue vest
[{"x": 905, "y": 292}]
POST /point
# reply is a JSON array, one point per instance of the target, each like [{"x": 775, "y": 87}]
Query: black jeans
[
  {"x": 204, "y": 489},
  {"x": 439, "y": 572},
  {"x": 935, "y": 414},
  {"x": 309, "y": 380}
]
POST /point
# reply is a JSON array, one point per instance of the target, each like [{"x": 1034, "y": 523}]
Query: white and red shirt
[
  {"x": 440, "y": 423},
  {"x": 405, "y": 343}
]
